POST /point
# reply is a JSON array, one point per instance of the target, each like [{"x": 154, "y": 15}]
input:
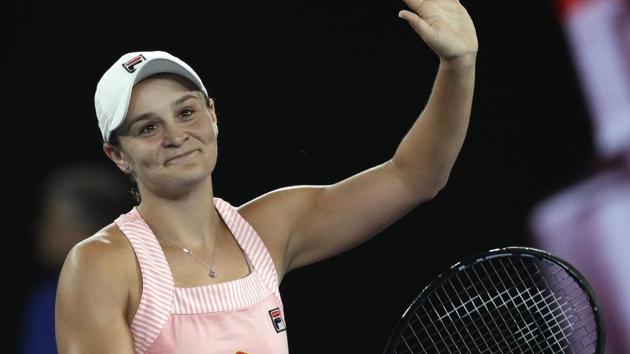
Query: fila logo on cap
[
  {"x": 130, "y": 66},
  {"x": 276, "y": 319}
]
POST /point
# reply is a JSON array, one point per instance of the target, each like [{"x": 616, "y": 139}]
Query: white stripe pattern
[
  {"x": 160, "y": 298},
  {"x": 157, "y": 281}
]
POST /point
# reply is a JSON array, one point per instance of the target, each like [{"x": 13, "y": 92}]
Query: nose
[{"x": 174, "y": 136}]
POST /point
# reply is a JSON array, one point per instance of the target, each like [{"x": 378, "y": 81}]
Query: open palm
[{"x": 444, "y": 25}]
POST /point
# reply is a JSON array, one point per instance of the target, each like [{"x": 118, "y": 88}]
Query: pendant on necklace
[{"x": 212, "y": 274}]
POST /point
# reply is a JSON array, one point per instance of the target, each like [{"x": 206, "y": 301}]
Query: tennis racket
[{"x": 508, "y": 300}]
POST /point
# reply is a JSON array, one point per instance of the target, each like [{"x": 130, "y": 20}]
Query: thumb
[{"x": 417, "y": 23}]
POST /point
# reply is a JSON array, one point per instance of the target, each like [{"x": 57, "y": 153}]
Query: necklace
[{"x": 211, "y": 272}]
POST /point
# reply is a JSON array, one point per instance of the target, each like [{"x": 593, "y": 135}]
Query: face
[{"x": 168, "y": 138}]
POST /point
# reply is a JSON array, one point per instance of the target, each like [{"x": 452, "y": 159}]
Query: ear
[
  {"x": 213, "y": 116},
  {"x": 215, "y": 127},
  {"x": 114, "y": 154}
]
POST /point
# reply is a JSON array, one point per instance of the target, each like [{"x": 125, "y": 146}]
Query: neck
[{"x": 190, "y": 221}]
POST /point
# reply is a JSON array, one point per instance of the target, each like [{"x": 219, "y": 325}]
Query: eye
[
  {"x": 186, "y": 113},
  {"x": 147, "y": 129}
]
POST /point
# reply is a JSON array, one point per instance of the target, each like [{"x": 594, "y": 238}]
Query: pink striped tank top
[{"x": 243, "y": 316}]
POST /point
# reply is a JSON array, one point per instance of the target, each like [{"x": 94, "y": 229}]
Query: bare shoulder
[
  {"x": 104, "y": 254},
  {"x": 93, "y": 294},
  {"x": 275, "y": 215},
  {"x": 99, "y": 274}
]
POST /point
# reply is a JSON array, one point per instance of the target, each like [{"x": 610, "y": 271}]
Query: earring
[{"x": 127, "y": 169}]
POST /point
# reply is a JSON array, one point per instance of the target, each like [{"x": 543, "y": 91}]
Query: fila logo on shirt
[
  {"x": 277, "y": 320},
  {"x": 130, "y": 65}
]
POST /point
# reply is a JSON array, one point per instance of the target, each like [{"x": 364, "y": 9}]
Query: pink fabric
[
  {"x": 244, "y": 315},
  {"x": 247, "y": 330}
]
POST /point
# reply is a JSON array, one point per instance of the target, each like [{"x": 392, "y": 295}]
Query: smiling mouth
[{"x": 180, "y": 156}]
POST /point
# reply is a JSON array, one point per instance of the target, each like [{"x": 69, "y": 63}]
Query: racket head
[{"x": 554, "y": 279}]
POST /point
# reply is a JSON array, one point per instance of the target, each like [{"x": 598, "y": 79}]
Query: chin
[{"x": 192, "y": 173}]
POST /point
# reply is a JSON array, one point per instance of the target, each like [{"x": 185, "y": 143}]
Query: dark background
[{"x": 308, "y": 93}]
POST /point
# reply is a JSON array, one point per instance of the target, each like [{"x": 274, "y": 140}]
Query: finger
[
  {"x": 414, "y": 4},
  {"x": 418, "y": 24},
  {"x": 408, "y": 16}
]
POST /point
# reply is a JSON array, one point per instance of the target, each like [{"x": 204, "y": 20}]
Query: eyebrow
[
  {"x": 138, "y": 118},
  {"x": 143, "y": 116},
  {"x": 184, "y": 98}
]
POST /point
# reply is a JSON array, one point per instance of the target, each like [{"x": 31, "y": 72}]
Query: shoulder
[
  {"x": 108, "y": 249},
  {"x": 282, "y": 200},
  {"x": 276, "y": 215},
  {"x": 104, "y": 260},
  {"x": 93, "y": 294},
  {"x": 280, "y": 209}
]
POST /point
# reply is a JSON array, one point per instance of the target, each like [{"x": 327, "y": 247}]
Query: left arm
[{"x": 309, "y": 223}]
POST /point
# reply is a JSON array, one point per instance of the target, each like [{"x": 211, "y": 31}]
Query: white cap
[{"x": 113, "y": 91}]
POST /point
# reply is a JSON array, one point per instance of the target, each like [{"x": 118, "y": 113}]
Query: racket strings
[
  {"x": 542, "y": 348},
  {"x": 528, "y": 331},
  {"x": 502, "y": 349},
  {"x": 555, "y": 331},
  {"x": 487, "y": 316},
  {"x": 561, "y": 322},
  {"x": 499, "y": 343},
  {"x": 582, "y": 336},
  {"x": 504, "y": 312}
]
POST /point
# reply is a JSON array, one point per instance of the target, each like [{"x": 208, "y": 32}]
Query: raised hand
[{"x": 444, "y": 25}]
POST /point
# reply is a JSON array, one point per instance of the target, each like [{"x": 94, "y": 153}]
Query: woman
[{"x": 186, "y": 272}]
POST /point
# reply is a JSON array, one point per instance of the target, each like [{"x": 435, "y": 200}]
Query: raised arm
[
  {"x": 427, "y": 153},
  {"x": 308, "y": 223},
  {"x": 90, "y": 311}
]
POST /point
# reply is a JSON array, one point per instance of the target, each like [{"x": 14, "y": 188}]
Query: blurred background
[{"x": 311, "y": 93}]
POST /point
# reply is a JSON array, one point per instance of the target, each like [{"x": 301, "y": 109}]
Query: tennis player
[{"x": 186, "y": 272}]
